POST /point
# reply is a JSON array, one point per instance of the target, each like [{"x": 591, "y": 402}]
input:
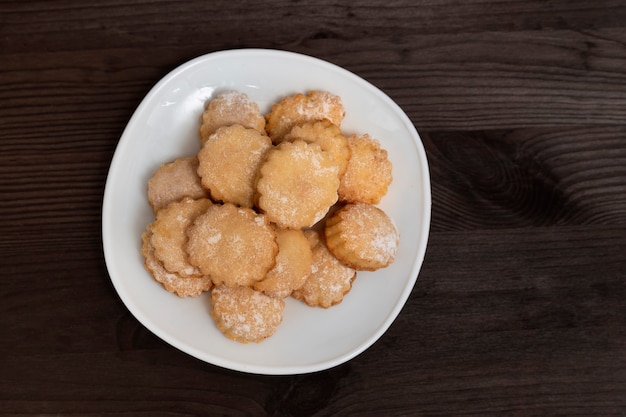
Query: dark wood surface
[{"x": 520, "y": 307}]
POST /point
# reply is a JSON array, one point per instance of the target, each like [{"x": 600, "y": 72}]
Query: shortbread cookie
[
  {"x": 174, "y": 180},
  {"x": 299, "y": 108},
  {"x": 328, "y": 136},
  {"x": 172, "y": 282},
  {"x": 245, "y": 315},
  {"x": 362, "y": 236},
  {"x": 233, "y": 245},
  {"x": 368, "y": 174},
  {"x": 169, "y": 234},
  {"x": 297, "y": 184},
  {"x": 293, "y": 264},
  {"x": 230, "y": 108},
  {"x": 329, "y": 280},
  {"x": 229, "y": 162}
]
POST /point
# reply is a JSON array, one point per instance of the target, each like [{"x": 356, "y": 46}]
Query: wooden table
[{"x": 520, "y": 307}]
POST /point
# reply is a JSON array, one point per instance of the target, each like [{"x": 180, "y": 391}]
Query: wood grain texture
[
  {"x": 520, "y": 307},
  {"x": 528, "y": 177}
]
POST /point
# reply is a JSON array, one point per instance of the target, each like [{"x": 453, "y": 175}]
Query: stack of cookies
[{"x": 272, "y": 206}]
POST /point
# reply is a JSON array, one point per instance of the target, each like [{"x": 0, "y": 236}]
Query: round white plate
[{"x": 165, "y": 126}]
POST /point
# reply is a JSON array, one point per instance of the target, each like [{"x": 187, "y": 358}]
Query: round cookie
[
  {"x": 293, "y": 264},
  {"x": 169, "y": 234},
  {"x": 229, "y": 108},
  {"x": 174, "y": 180},
  {"x": 299, "y": 108},
  {"x": 368, "y": 174},
  {"x": 328, "y": 136},
  {"x": 229, "y": 161},
  {"x": 297, "y": 184},
  {"x": 362, "y": 237},
  {"x": 172, "y": 282},
  {"x": 233, "y": 245},
  {"x": 245, "y": 315},
  {"x": 329, "y": 280}
]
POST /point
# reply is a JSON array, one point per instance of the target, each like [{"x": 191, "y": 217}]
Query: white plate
[{"x": 165, "y": 126}]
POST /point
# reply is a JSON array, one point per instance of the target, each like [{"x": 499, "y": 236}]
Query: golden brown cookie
[
  {"x": 368, "y": 175},
  {"x": 245, "y": 315},
  {"x": 169, "y": 234},
  {"x": 174, "y": 180},
  {"x": 329, "y": 280},
  {"x": 297, "y": 184},
  {"x": 172, "y": 282},
  {"x": 362, "y": 236},
  {"x": 229, "y": 108},
  {"x": 328, "y": 136},
  {"x": 293, "y": 264},
  {"x": 229, "y": 161},
  {"x": 299, "y": 108},
  {"x": 233, "y": 245}
]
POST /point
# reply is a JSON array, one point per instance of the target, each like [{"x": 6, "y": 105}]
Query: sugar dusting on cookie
[{"x": 244, "y": 314}]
